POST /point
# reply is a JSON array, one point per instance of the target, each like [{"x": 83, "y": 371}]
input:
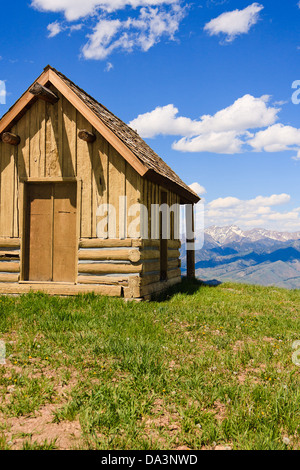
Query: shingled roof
[{"x": 158, "y": 170}]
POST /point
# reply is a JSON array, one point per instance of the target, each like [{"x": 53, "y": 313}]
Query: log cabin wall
[
  {"x": 50, "y": 148},
  {"x": 151, "y": 276}
]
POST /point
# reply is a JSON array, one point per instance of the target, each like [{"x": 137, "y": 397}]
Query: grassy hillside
[
  {"x": 201, "y": 368},
  {"x": 279, "y": 273}
]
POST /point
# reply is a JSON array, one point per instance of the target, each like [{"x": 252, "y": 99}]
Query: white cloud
[
  {"x": 198, "y": 189},
  {"x": 75, "y": 9},
  {"x": 260, "y": 211},
  {"x": 57, "y": 28},
  {"x": 234, "y": 23},
  {"x": 146, "y": 23},
  {"x": 214, "y": 142},
  {"x": 274, "y": 200},
  {"x": 163, "y": 120},
  {"x": 109, "y": 67},
  {"x": 224, "y": 132},
  {"x": 280, "y": 103},
  {"x": 3, "y": 92},
  {"x": 296, "y": 157},
  {"x": 248, "y": 124},
  {"x": 222, "y": 203},
  {"x": 142, "y": 32},
  {"x": 76, "y": 27},
  {"x": 276, "y": 138},
  {"x": 54, "y": 29},
  {"x": 245, "y": 113},
  {"x": 99, "y": 45},
  {"x": 285, "y": 216}
]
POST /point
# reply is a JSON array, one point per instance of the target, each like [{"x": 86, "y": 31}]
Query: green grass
[{"x": 201, "y": 366}]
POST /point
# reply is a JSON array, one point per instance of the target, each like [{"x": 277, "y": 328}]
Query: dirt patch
[
  {"x": 268, "y": 340},
  {"x": 251, "y": 314},
  {"x": 173, "y": 365},
  {"x": 238, "y": 346},
  {"x": 32, "y": 370},
  {"x": 219, "y": 410},
  {"x": 162, "y": 424},
  {"x": 252, "y": 374},
  {"x": 219, "y": 447},
  {"x": 40, "y": 428}
]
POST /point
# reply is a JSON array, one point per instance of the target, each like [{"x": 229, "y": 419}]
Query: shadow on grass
[{"x": 187, "y": 287}]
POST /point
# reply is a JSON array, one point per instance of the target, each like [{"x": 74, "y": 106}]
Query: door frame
[{"x": 23, "y": 194}]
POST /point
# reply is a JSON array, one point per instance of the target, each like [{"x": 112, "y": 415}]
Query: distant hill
[{"x": 257, "y": 256}]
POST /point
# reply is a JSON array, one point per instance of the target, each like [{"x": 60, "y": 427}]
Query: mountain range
[{"x": 256, "y": 256}]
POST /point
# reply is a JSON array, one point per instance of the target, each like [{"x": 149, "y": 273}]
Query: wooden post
[
  {"x": 11, "y": 139},
  {"x": 190, "y": 241},
  {"x": 44, "y": 93}
]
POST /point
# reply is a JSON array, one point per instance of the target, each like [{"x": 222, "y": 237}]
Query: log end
[
  {"x": 12, "y": 139},
  {"x": 87, "y": 136}
]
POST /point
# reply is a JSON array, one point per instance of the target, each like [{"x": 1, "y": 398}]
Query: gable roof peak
[{"x": 125, "y": 139}]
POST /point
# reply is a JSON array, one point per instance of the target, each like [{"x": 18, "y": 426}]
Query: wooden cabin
[{"x": 63, "y": 157}]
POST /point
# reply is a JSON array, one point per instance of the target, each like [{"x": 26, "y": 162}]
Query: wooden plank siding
[{"x": 50, "y": 149}]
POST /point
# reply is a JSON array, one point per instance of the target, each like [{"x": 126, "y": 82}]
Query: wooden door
[
  {"x": 51, "y": 238},
  {"x": 65, "y": 242},
  {"x": 39, "y": 232}
]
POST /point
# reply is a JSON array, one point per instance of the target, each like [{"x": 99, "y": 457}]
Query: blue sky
[{"x": 207, "y": 83}]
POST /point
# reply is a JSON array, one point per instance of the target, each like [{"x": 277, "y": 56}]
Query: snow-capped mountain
[
  {"x": 232, "y": 233},
  {"x": 256, "y": 256},
  {"x": 224, "y": 235},
  {"x": 258, "y": 234}
]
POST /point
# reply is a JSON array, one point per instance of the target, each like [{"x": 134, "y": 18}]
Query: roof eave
[
  {"x": 186, "y": 196},
  {"x": 8, "y": 120}
]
